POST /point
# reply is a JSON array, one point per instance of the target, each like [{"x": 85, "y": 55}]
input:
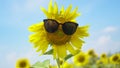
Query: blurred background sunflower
[
  {"x": 115, "y": 59},
  {"x": 81, "y": 59},
  {"x": 104, "y": 59},
  {"x": 22, "y": 63}
]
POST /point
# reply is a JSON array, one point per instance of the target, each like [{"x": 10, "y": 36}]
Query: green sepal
[
  {"x": 68, "y": 56},
  {"x": 48, "y": 52}
]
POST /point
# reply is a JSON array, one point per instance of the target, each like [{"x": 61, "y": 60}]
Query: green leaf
[
  {"x": 68, "y": 56},
  {"x": 48, "y": 52},
  {"x": 44, "y": 64}
]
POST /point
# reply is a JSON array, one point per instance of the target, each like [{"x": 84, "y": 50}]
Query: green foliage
[{"x": 44, "y": 64}]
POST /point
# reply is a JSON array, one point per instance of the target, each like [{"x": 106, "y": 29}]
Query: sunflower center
[
  {"x": 103, "y": 56},
  {"x": 81, "y": 58},
  {"x": 58, "y": 37},
  {"x": 23, "y": 64},
  {"x": 91, "y": 53},
  {"x": 115, "y": 58}
]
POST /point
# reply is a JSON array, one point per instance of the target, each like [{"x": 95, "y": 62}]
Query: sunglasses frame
[{"x": 58, "y": 25}]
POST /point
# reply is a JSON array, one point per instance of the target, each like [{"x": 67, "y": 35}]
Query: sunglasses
[{"x": 51, "y": 26}]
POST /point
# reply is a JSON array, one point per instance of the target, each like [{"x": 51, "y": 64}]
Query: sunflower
[
  {"x": 103, "y": 55},
  {"x": 119, "y": 59},
  {"x": 99, "y": 62},
  {"x": 59, "y": 40},
  {"x": 92, "y": 53},
  {"x": 68, "y": 65},
  {"x": 115, "y": 59},
  {"x": 104, "y": 58},
  {"x": 23, "y": 63},
  {"x": 92, "y": 56},
  {"x": 81, "y": 59}
]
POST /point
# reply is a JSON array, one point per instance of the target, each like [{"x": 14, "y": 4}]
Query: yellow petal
[
  {"x": 70, "y": 17},
  {"x": 62, "y": 10},
  {"x": 50, "y": 8},
  {"x": 40, "y": 42},
  {"x": 67, "y": 12},
  {"x": 74, "y": 16},
  {"x": 35, "y": 38},
  {"x": 46, "y": 12},
  {"x": 36, "y": 27},
  {"x": 70, "y": 48},
  {"x": 74, "y": 11},
  {"x": 43, "y": 46},
  {"x": 82, "y": 31},
  {"x": 61, "y": 50},
  {"x": 55, "y": 8},
  {"x": 77, "y": 42},
  {"x": 54, "y": 52}
]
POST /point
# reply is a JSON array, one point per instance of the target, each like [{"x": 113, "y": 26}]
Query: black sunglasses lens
[
  {"x": 50, "y": 25},
  {"x": 69, "y": 28}
]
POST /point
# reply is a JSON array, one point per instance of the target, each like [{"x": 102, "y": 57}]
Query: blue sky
[{"x": 17, "y": 15}]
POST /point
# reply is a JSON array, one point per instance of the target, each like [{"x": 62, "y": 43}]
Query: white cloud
[
  {"x": 110, "y": 29},
  {"x": 103, "y": 40},
  {"x": 99, "y": 44},
  {"x": 11, "y": 57}
]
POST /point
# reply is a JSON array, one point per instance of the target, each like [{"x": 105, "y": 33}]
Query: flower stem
[
  {"x": 114, "y": 65},
  {"x": 58, "y": 62}
]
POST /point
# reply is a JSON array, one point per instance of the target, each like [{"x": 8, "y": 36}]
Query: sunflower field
[
  {"x": 87, "y": 59},
  {"x": 61, "y": 36}
]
